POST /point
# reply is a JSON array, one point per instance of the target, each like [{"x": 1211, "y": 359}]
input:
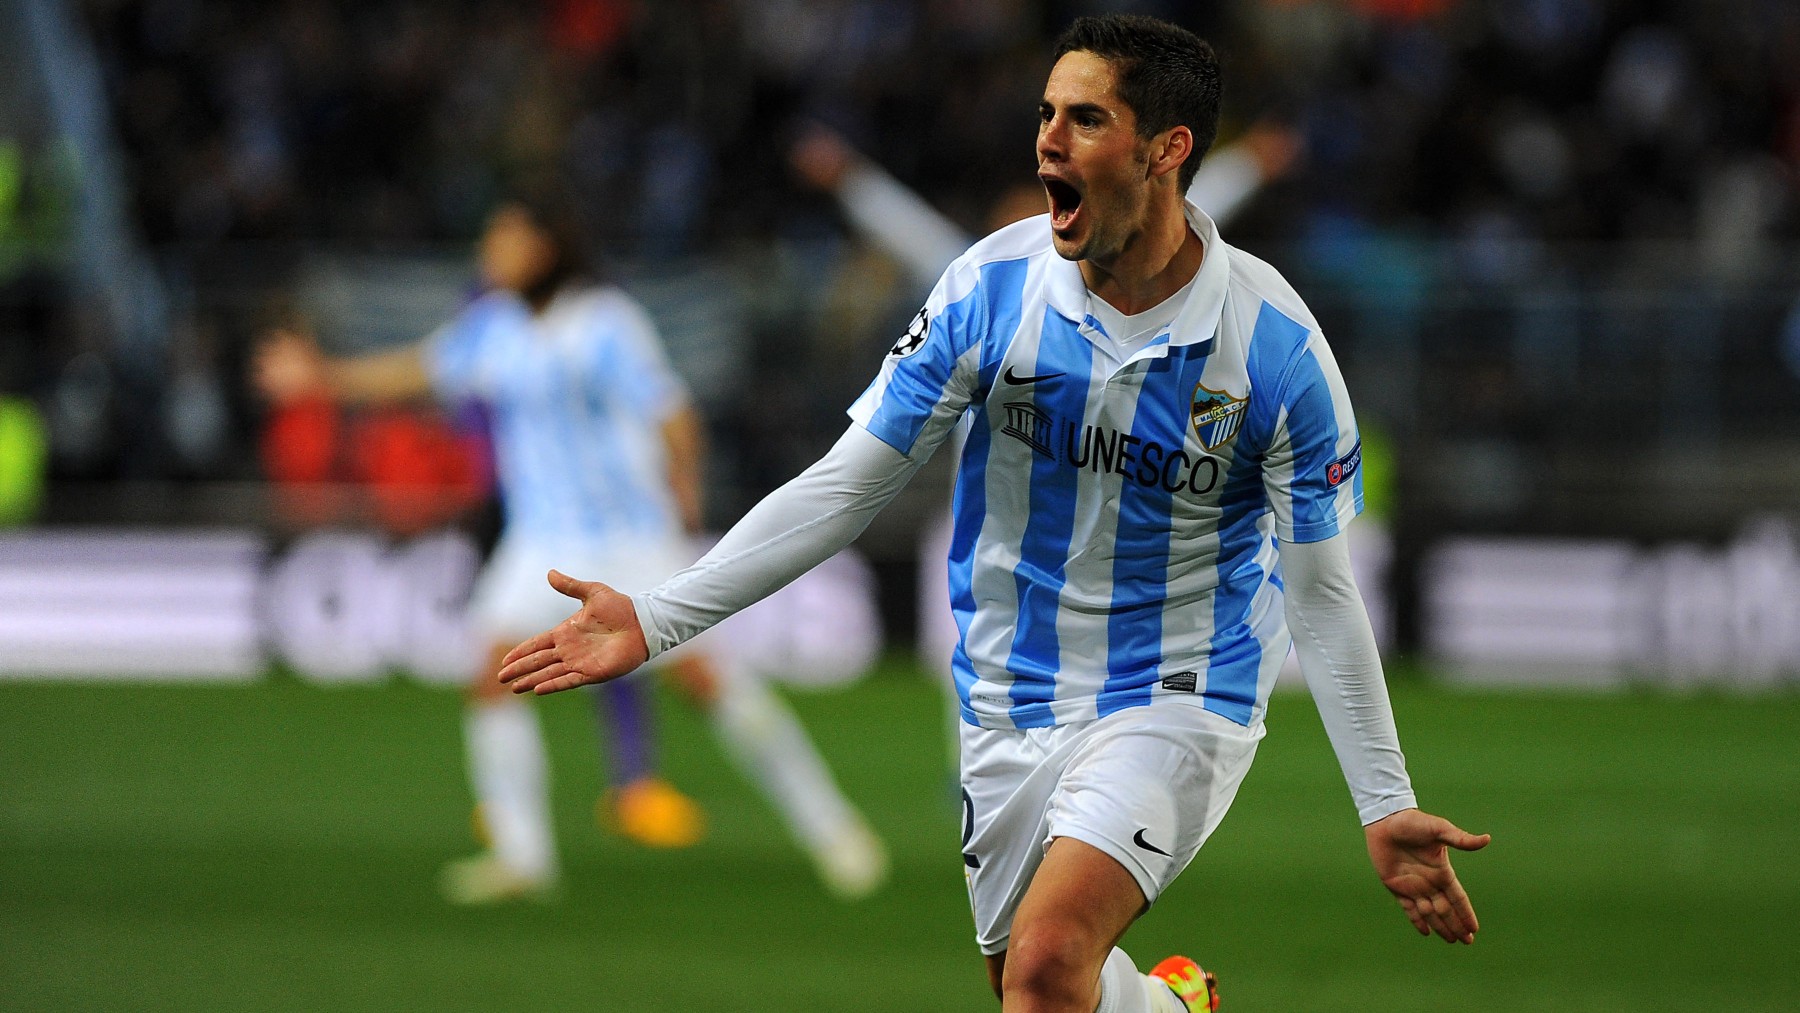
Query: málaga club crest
[{"x": 1217, "y": 416}]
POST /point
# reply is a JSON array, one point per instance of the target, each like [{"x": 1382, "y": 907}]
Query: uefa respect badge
[{"x": 1344, "y": 468}]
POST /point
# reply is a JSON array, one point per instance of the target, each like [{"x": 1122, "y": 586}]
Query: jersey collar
[{"x": 1198, "y": 320}]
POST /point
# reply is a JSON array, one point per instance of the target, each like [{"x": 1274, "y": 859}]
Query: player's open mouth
[{"x": 1065, "y": 201}]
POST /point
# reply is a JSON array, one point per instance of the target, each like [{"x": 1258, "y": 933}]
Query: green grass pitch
[{"x": 273, "y": 847}]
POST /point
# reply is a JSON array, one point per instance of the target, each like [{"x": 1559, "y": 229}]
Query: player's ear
[{"x": 1170, "y": 149}]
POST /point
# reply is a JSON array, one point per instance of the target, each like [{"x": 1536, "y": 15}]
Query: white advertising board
[
  {"x": 1535, "y": 611},
  {"x": 152, "y": 605},
  {"x": 336, "y": 607}
]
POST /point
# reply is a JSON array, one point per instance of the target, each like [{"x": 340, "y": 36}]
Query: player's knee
[{"x": 1051, "y": 960}]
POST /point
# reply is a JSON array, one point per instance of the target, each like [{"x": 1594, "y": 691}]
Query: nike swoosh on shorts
[{"x": 1138, "y": 839}]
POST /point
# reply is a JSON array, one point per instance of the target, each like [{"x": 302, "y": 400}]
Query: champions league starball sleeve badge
[{"x": 914, "y": 338}]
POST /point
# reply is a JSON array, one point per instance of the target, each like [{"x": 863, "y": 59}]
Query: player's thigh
[
  {"x": 1006, "y": 789},
  {"x": 1145, "y": 786},
  {"x": 1149, "y": 785}
]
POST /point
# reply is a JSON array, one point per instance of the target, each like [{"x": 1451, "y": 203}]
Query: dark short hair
[
  {"x": 1167, "y": 75},
  {"x": 557, "y": 211}
]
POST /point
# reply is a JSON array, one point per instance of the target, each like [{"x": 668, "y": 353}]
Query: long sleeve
[
  {"x": 793, "y": 529},
  {"x": 1338, "y": 658}
]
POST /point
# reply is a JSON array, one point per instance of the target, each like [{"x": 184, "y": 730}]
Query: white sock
[
  {"x": 1124, "y": 990},
  {"x": 773, "y": 750},
  {"x": 510, "y": 774}
]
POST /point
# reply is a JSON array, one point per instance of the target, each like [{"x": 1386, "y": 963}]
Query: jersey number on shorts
[{"x": 969, "y": 830}]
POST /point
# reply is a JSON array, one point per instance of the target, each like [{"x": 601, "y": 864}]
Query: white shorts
[
  {"x": 1146, "y": 785},
  {"x": 512, "y": 599}
]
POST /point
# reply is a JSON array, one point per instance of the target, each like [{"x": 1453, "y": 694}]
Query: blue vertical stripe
[
  {"x": 1235, "y": 655},
  {"x": 1313, "y": 428},
  {"x": 1003, "y": 287},
  {"x": 1235, "y": 663},
  {"x": 917, "y": 383},
  {"x": 1005, "y": 283},
  {"x": 1049, "y": 527},
  {"x": 969, "y": 508},
  {"x": 1141, "y": 551}
]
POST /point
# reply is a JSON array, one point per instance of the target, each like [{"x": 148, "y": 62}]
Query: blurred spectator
[
  {"x": 1519, "y": 132},
  {"x": 393, "y": 120}
]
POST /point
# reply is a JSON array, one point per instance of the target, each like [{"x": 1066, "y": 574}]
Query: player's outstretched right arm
[
  {"x": 289, "y": 364},
  {"x": 601, "y": 641}
]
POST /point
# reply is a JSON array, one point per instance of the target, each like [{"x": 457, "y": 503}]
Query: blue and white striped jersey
[
  {"x": 1116, "y": 524},
  {"x": 578, "y": 396}
]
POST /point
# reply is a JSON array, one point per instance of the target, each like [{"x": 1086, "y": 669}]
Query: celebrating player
[
  {"x": 598, "y": 456},
  {"x": 1150, "y": 507}
]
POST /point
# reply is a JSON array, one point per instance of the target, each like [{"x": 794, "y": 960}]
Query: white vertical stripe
[
  {"x": 1269, "y": 620},
  {"x": 1194, "y": 551},
  {"x": 1278, "y": 473},
  {"x": 1084, "y": 635}
]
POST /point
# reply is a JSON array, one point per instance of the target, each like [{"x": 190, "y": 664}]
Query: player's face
[
  {"x": 1093, "y": 165},
  {"x": 514, "y": 252}
]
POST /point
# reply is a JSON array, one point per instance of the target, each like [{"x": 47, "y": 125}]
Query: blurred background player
[{"x": 598, "y": 457}]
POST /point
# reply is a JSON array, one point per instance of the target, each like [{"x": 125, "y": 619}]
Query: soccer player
[
  {"x": 1150, "y": 504},
  {"x": 598, "y": 454},
  {"x": 923, "y": 240}
]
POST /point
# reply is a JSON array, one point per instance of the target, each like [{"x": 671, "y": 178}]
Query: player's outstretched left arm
[
  {"x": 1411, "y": 853},
  {"x": 601, "y": 641}
]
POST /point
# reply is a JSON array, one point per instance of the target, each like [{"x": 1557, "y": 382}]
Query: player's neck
[{"x": 1152, "y": 266}]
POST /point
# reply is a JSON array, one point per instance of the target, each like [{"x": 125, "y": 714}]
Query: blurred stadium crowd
[
  {"x": 1535, "y": 229},
  {"x": 400, "y": 121}
]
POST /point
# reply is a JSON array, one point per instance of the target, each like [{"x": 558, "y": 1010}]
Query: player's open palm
[
  {"x": 1411, "y": 852},
  {"x": 601, "y": 641}
]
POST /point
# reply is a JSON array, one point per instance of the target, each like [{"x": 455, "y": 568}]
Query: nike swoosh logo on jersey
[
  {"x": 1138, "y": 839},
  {"x": 1013, "y": 378}
]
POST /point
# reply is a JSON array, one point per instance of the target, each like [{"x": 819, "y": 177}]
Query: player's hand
[
  {"x": 288, "y": 366},
  {"x": 1275, "y": 147},
  {"x": 822, "y": 158},
  {"x": 601, "y": 641},
  {"x": 1410, "y": 850}
]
